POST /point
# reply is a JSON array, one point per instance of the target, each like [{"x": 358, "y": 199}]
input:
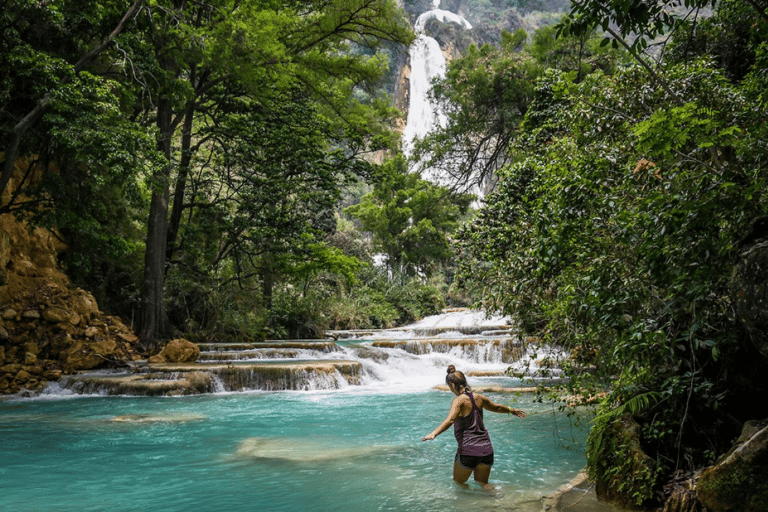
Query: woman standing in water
[{"x": 475, "y": 453}]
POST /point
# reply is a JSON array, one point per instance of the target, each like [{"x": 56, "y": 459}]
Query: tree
[
  {"x": 198, "y": 47},
  {"x": 614, "y": 235},
  {"x": 272, "y": 186},
  {"x": 486, "y": 95},
  {"x": 54, "y": 52},
  {"x": 411, "y": 219}
]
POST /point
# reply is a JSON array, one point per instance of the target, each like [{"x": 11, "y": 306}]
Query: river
[{"x": 331, "y": 446}]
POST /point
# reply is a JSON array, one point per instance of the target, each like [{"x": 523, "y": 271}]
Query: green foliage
[
  {"x": 487, "y": 94},
  {"x": 644, "y": 20},
  {"x": 410, "y": 218},
  {"x": 206, "y": 310},
  {"x": 613, "y": 233},
  {"x": 255, "y": 113},
  {"x": 618, "y": 465}
]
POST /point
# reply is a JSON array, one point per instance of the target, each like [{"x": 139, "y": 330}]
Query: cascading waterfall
[
  {"x": 408, "y": 359},
  {"x": 427, "y": 63}
]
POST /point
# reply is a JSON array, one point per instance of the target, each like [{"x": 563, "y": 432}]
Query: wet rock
[
  {"x": 52, "y": 374},
  {"x": 200, "y": 382},
  {"x": 739, "y": 481},
  {"x": 681, "y": 493},
  {"x": 9, "y": 314}
]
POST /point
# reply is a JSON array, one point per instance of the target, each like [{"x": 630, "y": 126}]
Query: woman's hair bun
[{"x": 451, "y": 369}]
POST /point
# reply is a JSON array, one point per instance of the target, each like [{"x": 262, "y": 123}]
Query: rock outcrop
[
  {"x": 739, "y": 481},
  {"x": 52, "y": 330},
  {"x": 47, "y": 326},
  {"x": 749, "y": 292},
  {"x": 624, "y": 473}
]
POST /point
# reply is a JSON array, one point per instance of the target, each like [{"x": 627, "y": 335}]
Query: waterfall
[
  {"x": 427, "y": 63},
  {"x": 412, "y": 358}
]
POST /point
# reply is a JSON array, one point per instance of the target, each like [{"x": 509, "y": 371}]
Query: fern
[{"x": 634, "y": 406}]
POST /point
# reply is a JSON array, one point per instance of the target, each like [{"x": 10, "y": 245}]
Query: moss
[
  {"x": 622, "y": 472},
  {"x": 742, "y": 487}
]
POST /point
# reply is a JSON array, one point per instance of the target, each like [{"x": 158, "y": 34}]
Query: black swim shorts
[{"x": 471, "y": 462}]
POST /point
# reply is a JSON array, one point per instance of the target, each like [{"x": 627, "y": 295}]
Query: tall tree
[{"x": 261, "y": 48}]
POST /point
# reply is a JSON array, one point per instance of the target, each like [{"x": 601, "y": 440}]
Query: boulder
[
  {"x": 177, "y": 351},
  {"x": 623, "y": 474},
  {"x": 749, "y": 293},
  {"x": 30, "y": 314},
  {"x": 739, "y": 481},
  {"x": 56, "y": 315},
  {"x": 31, "y": 347},
  {"x": 88, "y": 355},
  {"x": 127, "y": 337},
  {"x": 84, "y": 305},
  {"x": 23, "y": 376}
]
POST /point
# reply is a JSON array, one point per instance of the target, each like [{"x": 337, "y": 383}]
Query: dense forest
[{"x": 229, "y": 169}]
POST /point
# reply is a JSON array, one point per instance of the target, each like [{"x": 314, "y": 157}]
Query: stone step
[
  {"x": 486, "y": 330},
  {"x": 168, "y": 379},
  {"x": 319, "y": 345},
  {"x": 511, "y": 349}
]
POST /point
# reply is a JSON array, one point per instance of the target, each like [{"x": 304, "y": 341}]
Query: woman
[{"x": 475, "y": 453}]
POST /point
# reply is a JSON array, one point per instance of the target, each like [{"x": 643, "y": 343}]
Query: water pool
[{"x": 341, "y": 450}]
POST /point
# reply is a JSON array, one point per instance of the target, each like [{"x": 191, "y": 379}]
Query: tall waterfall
[{"x": 427, "y": 63}]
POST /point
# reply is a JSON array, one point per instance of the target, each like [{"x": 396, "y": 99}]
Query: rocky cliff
[{"x": 47, "y": 326}]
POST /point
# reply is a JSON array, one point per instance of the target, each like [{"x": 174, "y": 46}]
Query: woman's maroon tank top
[{"x": 471, "y": 434}]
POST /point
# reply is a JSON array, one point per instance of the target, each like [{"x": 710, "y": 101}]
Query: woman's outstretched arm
[{"x": 494, "y": 407}]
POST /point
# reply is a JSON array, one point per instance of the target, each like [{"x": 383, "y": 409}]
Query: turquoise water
[{"x": 341, "y": 450}]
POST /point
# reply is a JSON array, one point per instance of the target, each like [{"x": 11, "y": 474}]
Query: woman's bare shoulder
[
  {"x": 460, "y": 399},
  {"x": 481, "y": 399}
]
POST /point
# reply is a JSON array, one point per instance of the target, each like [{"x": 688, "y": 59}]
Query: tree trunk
[
  {"x": 153, "y": 320},
  {"x": 181, "y": 179},
  {"x": 267, "y": 283}
]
